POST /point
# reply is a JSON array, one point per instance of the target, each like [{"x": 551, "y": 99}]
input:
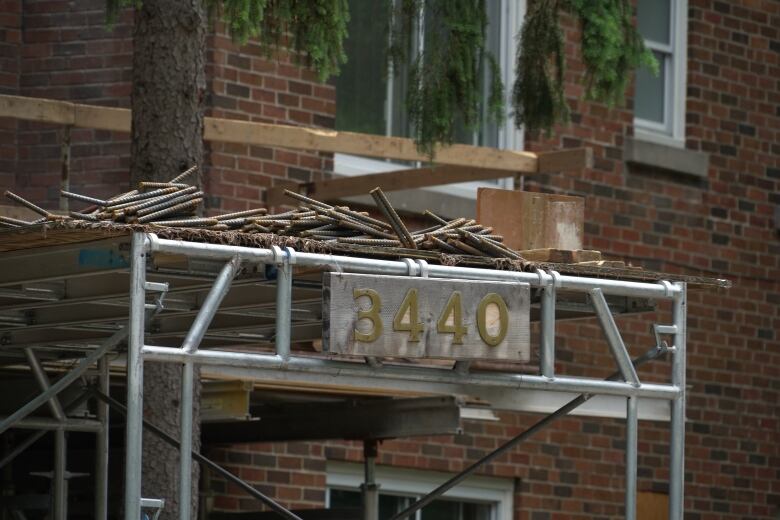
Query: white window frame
[
  {"x": 509, "y": 137},
  {"x": 399, "y": 481},
  {"x": 673, "y": 132}
]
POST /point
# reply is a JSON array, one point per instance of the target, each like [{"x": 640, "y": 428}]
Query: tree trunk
[
  {"x": 167, "y": 137},
  {"x": 169, "y": 87}
]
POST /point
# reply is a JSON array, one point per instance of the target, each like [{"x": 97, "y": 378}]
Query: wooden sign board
[{"x": 398, "y": 316}]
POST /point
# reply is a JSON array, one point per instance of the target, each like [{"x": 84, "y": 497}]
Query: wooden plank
[
  {"x": 266, "y": 134},
  {"x": 565, "y": 160},
  {"x": 35, "y": 109},
  {"x": 401, "y": 316},
  {"x": 530, "y": 220},
  {"x": 414, "y": 178},
  {"x": 560, "y": 256},
  {"x": 104, "y": 118}
]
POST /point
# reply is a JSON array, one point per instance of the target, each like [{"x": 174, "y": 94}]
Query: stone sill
[{"x": 680, "y": 160}]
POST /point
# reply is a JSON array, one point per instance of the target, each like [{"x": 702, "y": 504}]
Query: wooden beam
[
  {"x": 266, "y": 134},
  {"x": 341, "y": 187},
  {"x": 565, "y": 160}
]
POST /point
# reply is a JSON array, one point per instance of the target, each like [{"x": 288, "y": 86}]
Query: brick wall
[{"x": 719, "y": 226}]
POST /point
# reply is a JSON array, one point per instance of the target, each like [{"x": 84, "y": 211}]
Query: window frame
[
  {"x": 409, "y": 482},
  {"x": 509, "y": 137},
  {"x": 672, "y": 133}
]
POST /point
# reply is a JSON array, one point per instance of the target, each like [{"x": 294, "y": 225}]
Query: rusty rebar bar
[
  {"x": 154, "y": 185},
  {"x": 24, "y": 202},
  {"x": 395, "y": 221},
  {"x": 169, "y": 203},
  {"x": 140, "y": 196},
  {"x": 434, "y": 216},
  {"x": 187, "y": 222},
  {"x": 183, "y": 175},
  {"x": 380, "y": 242},
  {"x": 185, "y": 206},
  {"x": 368, "y": 230},
  {"x": 15, "y": 221},
  {"x": 307, "y": 200},
  {"x": 83, "y": 198}
]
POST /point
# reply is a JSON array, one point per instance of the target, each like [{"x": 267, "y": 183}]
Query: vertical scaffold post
[
  {"x": 370, "y": 487},
  {"x": 59, "y": 482},
  {"x": 284, "y": 261},
  {"x": 632, "y": 427},
  {"x": 547, "y": 336},
  {"x": 135, "y": 378},
  {"x": 677, "y": 452},
  {"x": 101, "y": 456}
]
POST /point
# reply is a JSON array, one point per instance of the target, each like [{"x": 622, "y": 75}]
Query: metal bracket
[
  {"x": 664, "y": 329},
  {"x": 153, "y": 503}
]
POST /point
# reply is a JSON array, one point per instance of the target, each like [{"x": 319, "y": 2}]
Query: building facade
[{"x": 686, "y": 179}]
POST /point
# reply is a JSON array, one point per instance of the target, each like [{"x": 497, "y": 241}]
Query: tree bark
[
  {"x": 169, "y": 47},
  {"x": 168, "y": 92}
]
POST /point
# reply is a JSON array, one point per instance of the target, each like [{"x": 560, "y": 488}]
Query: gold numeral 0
[
  {"x": 372, "y": 314},
  {"x": 503, "y": 319}
]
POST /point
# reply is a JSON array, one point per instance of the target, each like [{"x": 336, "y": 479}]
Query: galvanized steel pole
[
  {"x": 135, "y": 378},
  {"x": 59, "y": 483},
  {"x": 677, "y": 451},
  {"x": 101, "y": 448},
  {"x": 632, "y": 427}
]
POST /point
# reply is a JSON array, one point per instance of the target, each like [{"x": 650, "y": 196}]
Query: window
[
  {"x": 659, "y": 101},
  {"x": 478, "y": 498},
  {"x": 370, "y": 98}
]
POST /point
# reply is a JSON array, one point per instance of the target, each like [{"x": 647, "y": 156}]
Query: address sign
[{"x": 398, "y": 316}]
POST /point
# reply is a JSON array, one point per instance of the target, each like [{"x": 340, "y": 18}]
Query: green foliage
[
  {"x": 611, "y": 49},
  {"x": 317, "y": 28},
  {"x": 538, "y": 91},
  {"x": 446, "y": 77}
]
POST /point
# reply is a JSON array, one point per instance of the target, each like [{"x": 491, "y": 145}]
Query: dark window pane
[
  {"x": 341, "y": 498},
  {"x": 653, "y": 18},
  {"x": 361, "y": 84},
  {"x": 649, "y": 102},
  {"x": 442, "y": 510}
]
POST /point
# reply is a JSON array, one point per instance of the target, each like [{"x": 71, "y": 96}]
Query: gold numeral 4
[
  {"x": 413, "y": 325},
  {"x": 453, "y": 308}
]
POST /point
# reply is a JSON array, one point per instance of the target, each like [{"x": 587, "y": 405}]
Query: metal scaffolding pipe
[
  {"x": 135, "y": 367},
  {"x": 59, "y": 483},
  {"x": 631, "y": 456},
  {"x": 677, "y": 451},
  {"x": 541, "y": 424},
  {"x": 33, "y": 438},
  {"x": 336, "y": 368},
  {"x": 65, "y": 380},
  {"x": 43, "y": 382},
  {"x": 547, "y": 336},
  {"x": 185, "y": 445},
  {"x": 119, "y": 407},
  {"x": 101, "y": 446},
  {"x": 399, "y": 268},
  {"x": 616, "y": 345},
  {"x": 210, "y": 305},
  {"x": 48, "y": 424},
  {"x": 283, "y": 307}
]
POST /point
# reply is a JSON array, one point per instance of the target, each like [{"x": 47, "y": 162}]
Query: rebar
[
  {"x": 395, "y": 221},
  {"x": 183, "y": 175},
  {"x": 174, "y": 202},
  {"x": 83, "y": 198},
  {"x": 237, "y": 214},
  {"x": 185, "y": 206},
  {"x": 141, "y": 196},
  {"x": 14, "y": 221},
  {"x": 135, "y": 207},
  {"x": 188, "y": 222},
  {"x": 368, "y": 230},
  {"x": 435, "y": 217},
  {"x": 144, "y": 185},
  {"x": 28, "y": 204},
  {"x": 370, "y": 242}
]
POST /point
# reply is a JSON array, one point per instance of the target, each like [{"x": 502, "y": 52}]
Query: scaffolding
[
  {"x": 213, "y": 295},
  {"x": 237, "y": 312}
]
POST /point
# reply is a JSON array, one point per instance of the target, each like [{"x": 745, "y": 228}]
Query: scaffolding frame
[{"x": 294, "y": 368}]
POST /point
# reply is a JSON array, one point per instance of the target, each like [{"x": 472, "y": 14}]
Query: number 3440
[{"x": 406, "y": 318}]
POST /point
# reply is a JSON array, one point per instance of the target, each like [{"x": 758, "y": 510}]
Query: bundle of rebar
[{"x": 177, "y": 204}]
